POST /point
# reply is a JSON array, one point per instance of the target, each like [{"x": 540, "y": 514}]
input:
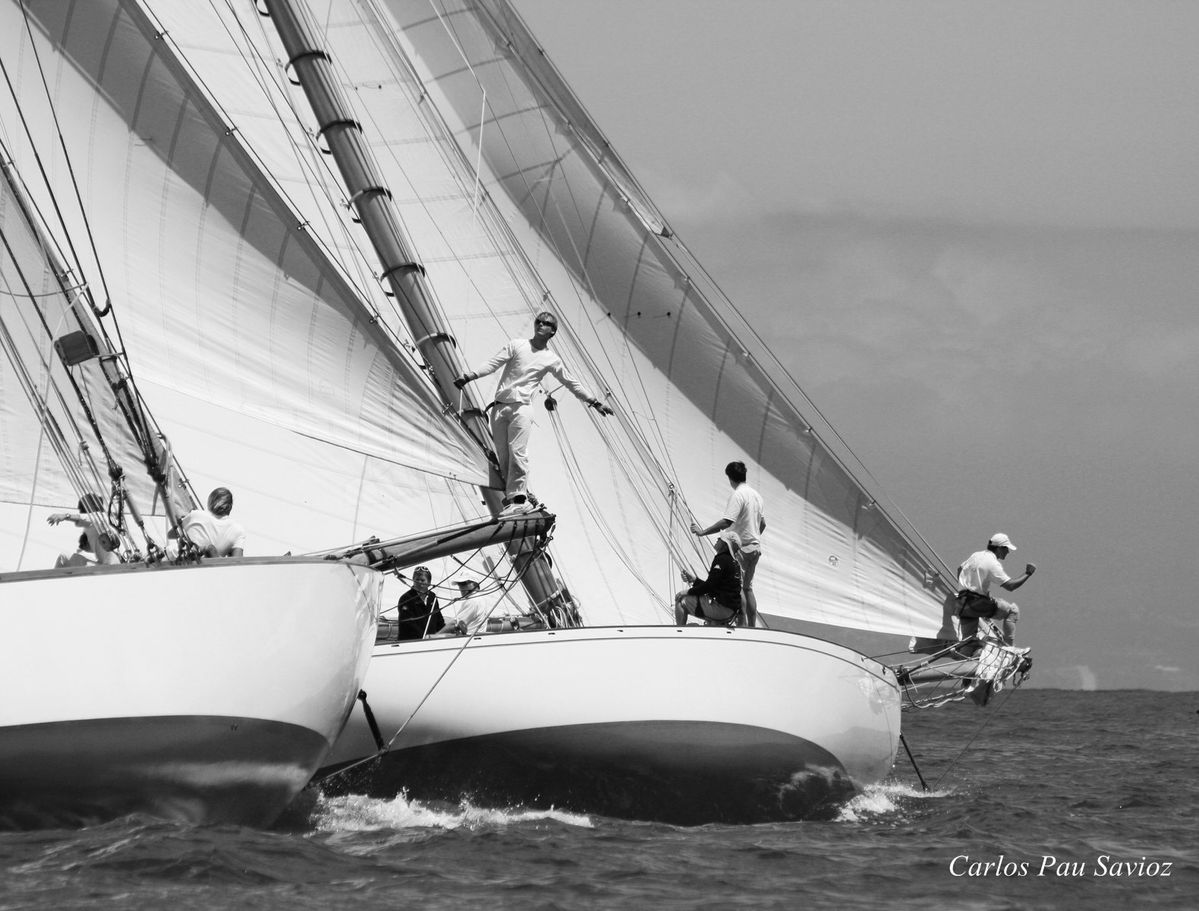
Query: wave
[
  {"x": 884, "y": 799},
  {"x": 358, "y": 813}
]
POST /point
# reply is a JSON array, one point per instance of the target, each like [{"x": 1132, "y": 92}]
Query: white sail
[
  {"x": 557, "y": 217},
  {"x": 55, "y": 441},
  {"x": 715, "y": 391},
  {"x": 240, "y": 309}
]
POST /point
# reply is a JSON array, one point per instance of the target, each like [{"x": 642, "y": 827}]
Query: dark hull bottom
[
  {"x": 683, "y": 773},
  {"x": 190, "y": 769}
]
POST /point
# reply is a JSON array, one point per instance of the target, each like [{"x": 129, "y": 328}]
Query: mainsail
[{"x": 834, "y": 555}]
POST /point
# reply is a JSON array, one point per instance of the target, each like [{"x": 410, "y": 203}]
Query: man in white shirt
[
  {"x": 744, "y": 514},
  {"x": 525, "y": 363},
  {"x": 976, "y": 574},
  {"x": 211, "y": 529},
  {"x": 470, "y": 613}
]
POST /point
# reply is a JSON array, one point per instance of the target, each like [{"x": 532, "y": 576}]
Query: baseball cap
[
  {"x": 732, "y": 539},
  {"x": 1002, "y": 540}
]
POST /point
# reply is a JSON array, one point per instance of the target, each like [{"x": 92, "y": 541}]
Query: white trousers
[{"x": 511, "y": 425}]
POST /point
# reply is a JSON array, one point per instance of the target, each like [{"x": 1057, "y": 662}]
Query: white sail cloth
[
  {"x": 697, "y": 393},
  {"x": 557, "y": 218},
  {"x": 224, "y": 293}
]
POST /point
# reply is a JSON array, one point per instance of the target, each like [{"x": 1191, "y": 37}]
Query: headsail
[
  {"x": 229, "y": 299},
  {"x": 61, "y": 421}
]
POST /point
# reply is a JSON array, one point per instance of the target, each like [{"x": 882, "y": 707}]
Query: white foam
[
  {"x": 883, "y": 799},
  {"x": 357, "y": 813}
]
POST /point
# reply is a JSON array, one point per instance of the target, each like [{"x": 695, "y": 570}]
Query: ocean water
[{"x": 1046, "y": 799}]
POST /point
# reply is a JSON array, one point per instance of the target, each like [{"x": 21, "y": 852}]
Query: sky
[{"x": 970, "y": 231}]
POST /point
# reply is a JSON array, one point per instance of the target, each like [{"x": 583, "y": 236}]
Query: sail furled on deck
[
  {"x": 710, "y": 389},
  {"x": 224, "y": 293}
]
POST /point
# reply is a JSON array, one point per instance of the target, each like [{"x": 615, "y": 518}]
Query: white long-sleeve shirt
[{"x": 524, "y": 367}]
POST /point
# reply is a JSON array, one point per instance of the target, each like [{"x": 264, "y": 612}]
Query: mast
[
  {"x": 372, "y": 202},
  {"x": 91, "y": 341}
]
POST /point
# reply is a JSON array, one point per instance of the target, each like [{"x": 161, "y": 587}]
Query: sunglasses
[{"x": 547, "y": 322}]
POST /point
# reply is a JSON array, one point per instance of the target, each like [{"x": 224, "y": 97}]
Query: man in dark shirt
[
  {"x": 716, "y": 599},
  {"x": 419, "y": 612}
]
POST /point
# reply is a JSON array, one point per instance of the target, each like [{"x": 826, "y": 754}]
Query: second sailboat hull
[
  {"x": 686, "y": 726},
  {"x": 205, "y": 693}
]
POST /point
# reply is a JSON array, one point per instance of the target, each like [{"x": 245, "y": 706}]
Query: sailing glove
[{"x": 462, "y": 381}]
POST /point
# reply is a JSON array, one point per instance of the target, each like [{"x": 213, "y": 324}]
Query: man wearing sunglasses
[{"x": 526, "y": 361}]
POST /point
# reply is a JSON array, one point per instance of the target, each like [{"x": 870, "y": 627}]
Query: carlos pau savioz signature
[{"x": 1049, "y": 866}]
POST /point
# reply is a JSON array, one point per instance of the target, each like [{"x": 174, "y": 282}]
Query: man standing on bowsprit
[{"x": 525, "y": 361}]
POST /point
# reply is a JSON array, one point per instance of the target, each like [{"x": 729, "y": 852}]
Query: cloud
[{"x": 1158, "y": 353}]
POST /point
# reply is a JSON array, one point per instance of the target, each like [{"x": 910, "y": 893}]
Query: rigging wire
[
  {"x": 311, "y": 167},
  {"x": 990, "y": 717},
  {"x": 444, "y": 144},
  {"x": 394, "y": 57},
  {"x": 344, "y": 771},
  {"x": 906, "y": 529},
  {"x": 128, "y": 398},
  {"x": 46, "y": 331},
  {"x": 52, "y": 108}
]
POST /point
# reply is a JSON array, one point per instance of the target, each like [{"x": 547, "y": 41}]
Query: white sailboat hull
[
  {"x": 204, "y": 693},
  {"x": 687, "y": 725}
]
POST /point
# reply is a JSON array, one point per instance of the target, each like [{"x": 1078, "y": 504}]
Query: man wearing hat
[
  {"x": 976, "y": 574},
  {"x": 470, "y": 613},
  {"x": 717, "y": 599}
]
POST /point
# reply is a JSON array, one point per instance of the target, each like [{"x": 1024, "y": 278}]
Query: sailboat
[
  {"x": 435, "y": 157},
  {"x": 202, "y": 690}
]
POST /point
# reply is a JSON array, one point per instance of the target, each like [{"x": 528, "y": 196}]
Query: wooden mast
[{"x": 372, "y": 202}]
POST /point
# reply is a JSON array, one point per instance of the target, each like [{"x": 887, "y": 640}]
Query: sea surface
[{"x": 1045, "y": 799}]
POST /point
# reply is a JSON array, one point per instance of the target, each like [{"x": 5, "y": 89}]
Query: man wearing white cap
[
  {"x": 470, "y": 613},
  {"x": 976, "y": 574},
  {"x": 716, "y": 599}
]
